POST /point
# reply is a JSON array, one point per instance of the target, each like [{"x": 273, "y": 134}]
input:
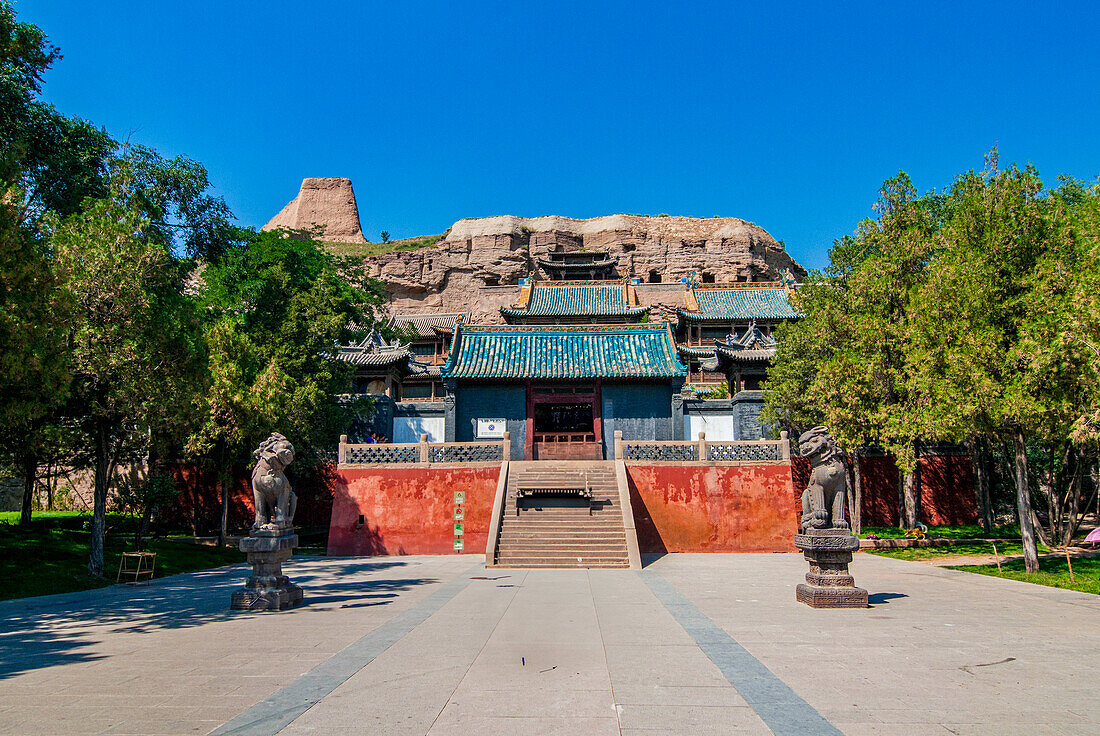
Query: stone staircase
[{"x": 562, "y": 531}]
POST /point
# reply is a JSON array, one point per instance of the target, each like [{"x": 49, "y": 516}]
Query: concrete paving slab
[{"x": 695, "y": 644}]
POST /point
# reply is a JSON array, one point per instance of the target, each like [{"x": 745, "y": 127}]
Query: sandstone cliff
[
  {"x": 476, "y": 267},
  {"x": 327, "y": 202},
  {"x": 459, "y": 273}
]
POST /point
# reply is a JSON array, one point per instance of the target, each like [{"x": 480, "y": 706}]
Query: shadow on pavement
[
  {"x": 36, "y": 633},
  {"x": 879, "y": 598}
]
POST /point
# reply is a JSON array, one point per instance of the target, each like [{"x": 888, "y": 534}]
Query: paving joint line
[
  {"x": 781, "y": 709},
  {"x": 285, "y": 706},
  {"x": 515, "y": 592},
  {"x": 606, "y": 662}
]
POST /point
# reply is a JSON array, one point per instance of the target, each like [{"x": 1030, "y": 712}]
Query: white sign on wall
[
  {"x": 409, "y": 429},
  {"x": 490, "y": 429},
  {"x": 718, "y": 427}
]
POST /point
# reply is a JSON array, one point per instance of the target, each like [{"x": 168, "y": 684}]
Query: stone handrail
[
  {"x": 422, "y": 452},
  {"x": 702, "y": 450}
]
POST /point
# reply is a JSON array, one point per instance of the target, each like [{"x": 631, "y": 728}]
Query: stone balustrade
[
  {"x": 704, "y": 451},
  {"x": 422, "y": 453}
]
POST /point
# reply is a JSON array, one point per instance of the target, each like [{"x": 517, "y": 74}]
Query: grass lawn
[
  {"x": 1005, "y": 548},
  {"x": 51, "y": 555},
  {"x": 1052, "y": 572},
  {"x": 962, "y": 531}
]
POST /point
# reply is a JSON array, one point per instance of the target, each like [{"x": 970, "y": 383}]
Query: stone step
[
  {"x": 536, "y": 563},
  {"x": 560, "y": 555},
  {"x": 551, "y": 512},
  {"x": 579, "y": 540},
  {"x": 589, "y": 534},
  {"x": 551, "y": 522},
  {"x": 559, "y": 551}
]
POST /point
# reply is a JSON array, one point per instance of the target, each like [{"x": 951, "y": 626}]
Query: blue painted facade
[
  {"x": 643, "y": 411},
  {"x": 475, "y": 400}
]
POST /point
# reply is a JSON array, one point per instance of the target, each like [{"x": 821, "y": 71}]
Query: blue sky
[{"x": 786, "y": 115}]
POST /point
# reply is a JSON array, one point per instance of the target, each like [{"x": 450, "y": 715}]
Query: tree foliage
[
  {"x": 131, "y": 338},
  {"x": 966, "y": 314},
  {"x": 275, "y": 309}
]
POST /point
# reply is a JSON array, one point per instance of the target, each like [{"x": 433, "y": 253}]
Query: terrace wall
[
  {"x": 707, "y": 507},
  {"x": 410, "y": 510}
]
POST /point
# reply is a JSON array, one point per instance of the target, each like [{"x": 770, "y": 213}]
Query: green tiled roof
[
  {"x": 619, "y": 351},
  {"x": 589, "y": 300},
  {"x": 741, "y": 303}
]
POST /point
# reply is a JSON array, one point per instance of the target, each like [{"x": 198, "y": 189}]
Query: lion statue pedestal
[
  {"x": 272, "y": 539},
  {"x": 826, "y": 540}
]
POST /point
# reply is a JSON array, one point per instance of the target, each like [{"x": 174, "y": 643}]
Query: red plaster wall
[
  {"x": 198, "y": 506},
  {"x": 409, "y": 511},
  {"x": 714, "y": 508},
  {"x": 947, "y": 489}
]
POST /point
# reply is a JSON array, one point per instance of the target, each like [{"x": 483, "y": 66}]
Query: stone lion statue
[
  {"x": 275, "y": 501},
  {"x": 824, "y": 497}
]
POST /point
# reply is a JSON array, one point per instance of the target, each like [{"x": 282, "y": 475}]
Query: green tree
[
  {"x": 1002, "y": 351},
  {"x": 34, "y": 366},
  {"x": 132, "y": 338},
  {"x": 845, "y": 363},
  {"x": 47, "y": 162},
  {"x": 277, "y": 308}
]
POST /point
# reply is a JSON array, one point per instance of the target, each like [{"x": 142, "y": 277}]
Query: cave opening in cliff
[{"x": 654, "y": 277}]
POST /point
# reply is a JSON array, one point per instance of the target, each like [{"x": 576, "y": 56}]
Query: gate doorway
[{"x": 563, "y": 421}]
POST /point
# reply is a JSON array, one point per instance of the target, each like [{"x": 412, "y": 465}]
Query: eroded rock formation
[
  {"x": 476, "y": 267},
  {"x": 459, "y": 273},
  {"x": 329, "y": 202}
]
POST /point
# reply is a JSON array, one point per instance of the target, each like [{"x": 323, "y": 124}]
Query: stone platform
[
  {"x": 267, "y": 589},
  {"x": 828, "y": 583}
]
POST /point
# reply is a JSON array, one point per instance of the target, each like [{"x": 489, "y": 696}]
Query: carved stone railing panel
[
  {"x": 492, "y": 452},
  {"x": 381, "y": 454},
  {"x": 744, "y": 451},
  {"x": 661, "y": 451}
]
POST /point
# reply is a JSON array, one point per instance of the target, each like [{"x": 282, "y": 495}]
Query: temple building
[
  {"x": 570, "y": 265},
  {"x": 575, "y": 302},
  {"x": 575, "y": 360}
]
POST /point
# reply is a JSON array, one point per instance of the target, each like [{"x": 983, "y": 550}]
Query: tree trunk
[
  {"x": 902, "y": 504},
  {"x": 912, "y": 503},
  {"x": 857, "y": 494},
  {"x": 99, "y": 503},
  {"x": 1023, "y": 504},
  {"x": 51, "y": 484},
  {"x": 223, "y": 529},
  {"x": 918, "y": 490},
  {"x": 143, "y": 530},
  {"x": 981, "y": 474},
  {"x": 30, "y": 470}
]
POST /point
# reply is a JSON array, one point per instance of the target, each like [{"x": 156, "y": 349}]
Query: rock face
[
  {"x": 465, "y": 271},
  {"x": 476, "y": 267},
  {"x": 329, "y": 202}
]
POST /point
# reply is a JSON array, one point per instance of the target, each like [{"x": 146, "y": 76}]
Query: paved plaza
[{"x": 692, "y": 644}]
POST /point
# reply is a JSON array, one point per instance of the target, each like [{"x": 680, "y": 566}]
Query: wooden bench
[{"x": 561, "y": 485}]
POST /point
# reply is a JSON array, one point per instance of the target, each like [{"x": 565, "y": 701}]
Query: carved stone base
[
  {"x": 824, "y": 597},
  {"x": 272, "y": 599},
  {"x": 829, "y": 584},
  {"x": 268, "y": 589}
]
